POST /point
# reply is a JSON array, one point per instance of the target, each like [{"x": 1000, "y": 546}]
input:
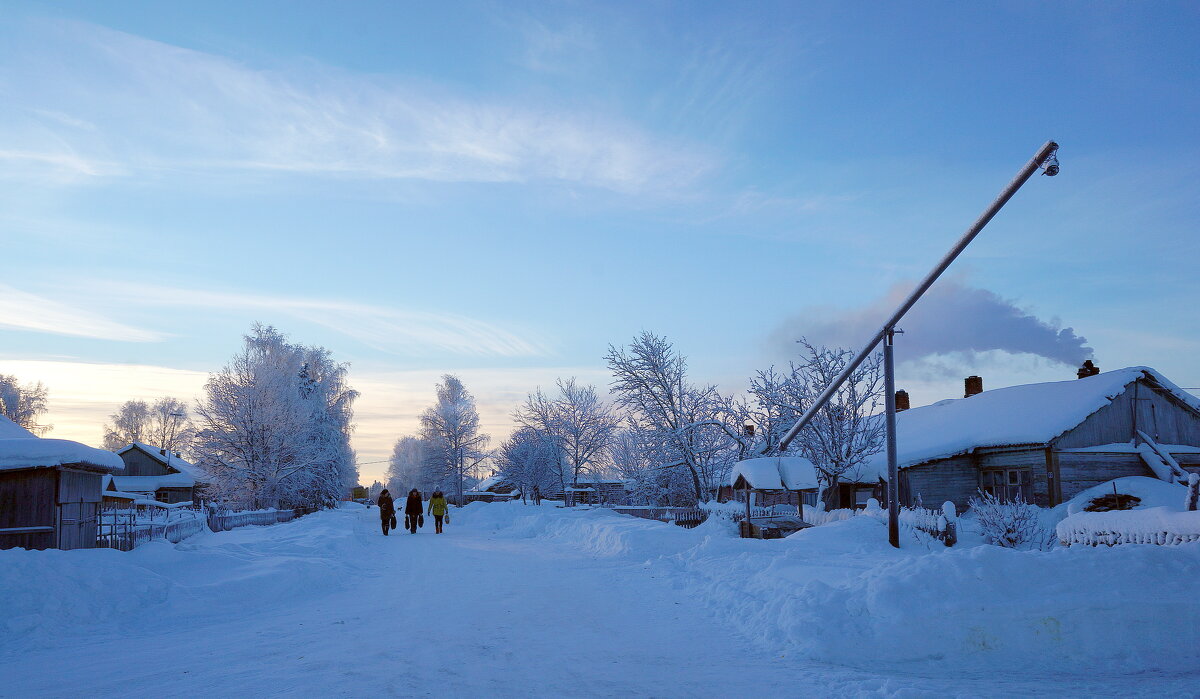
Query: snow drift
[{"x": 838, "y": 593}]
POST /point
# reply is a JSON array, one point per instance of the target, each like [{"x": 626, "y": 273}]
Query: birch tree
[{"x": 450, "y": 429}]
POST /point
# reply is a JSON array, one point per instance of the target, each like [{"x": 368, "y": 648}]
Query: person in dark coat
[
  {"x": 413, "y": 510},
  {"x": 387, "y": 511}
]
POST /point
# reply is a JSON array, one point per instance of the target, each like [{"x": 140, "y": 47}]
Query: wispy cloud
[
  {"x": 24, "y": 311},
  {"x": 393, "y": 330},
  {"x": 94, "y": 101}
]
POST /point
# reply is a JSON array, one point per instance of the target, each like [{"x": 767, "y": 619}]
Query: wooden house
[
  {"x": 594, "y": 490},
  {"x": 1046, "y": 442},
  {"x": 158, "y": 474},
  {"x": 50, "y": 490}
]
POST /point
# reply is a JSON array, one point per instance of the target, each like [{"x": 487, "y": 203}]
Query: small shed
[
  {"x": 774, "y": 475},
  {"x": 50, "y": 490}
]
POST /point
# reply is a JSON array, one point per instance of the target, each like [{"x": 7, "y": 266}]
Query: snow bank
[
  {"x": 838, "y": 593},
  {"x": 775, "y": 473},
  {"x": 49, "y": 595},
  {"x": 1150, "y": 492}
]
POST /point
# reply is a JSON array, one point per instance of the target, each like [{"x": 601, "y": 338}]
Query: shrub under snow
[{"x": 1013, "y": 525}]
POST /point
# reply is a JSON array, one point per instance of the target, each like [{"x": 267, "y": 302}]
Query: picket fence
[{"x": 940, "y": 524}]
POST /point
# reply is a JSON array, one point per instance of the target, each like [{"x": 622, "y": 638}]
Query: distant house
[
  {"x": 159, "y": 474},
  {"x": 594, "y": 490},
  {"x": 1047, "y": 442},
  {"x": 50, "y": 490}
]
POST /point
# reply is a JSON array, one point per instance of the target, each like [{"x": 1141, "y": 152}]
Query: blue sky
[{"x": 502, "y": 189}]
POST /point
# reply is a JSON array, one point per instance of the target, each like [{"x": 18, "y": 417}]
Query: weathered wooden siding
[
  {"x": 955, "y": 479},
  {"x": 1155, "y": 412},
  {"x": 1033, "y": 458},
  {"x": 138, "y": 463},
  {"x": 1080, "y": 471},
  {"x": 27, "y": 500}
]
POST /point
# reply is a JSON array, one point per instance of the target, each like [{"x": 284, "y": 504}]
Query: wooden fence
[
  {"x": 223, "y": 522},
  {"x": 126, "y": 529}
]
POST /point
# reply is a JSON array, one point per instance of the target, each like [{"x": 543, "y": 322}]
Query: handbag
[
  {"x": 393, "y": 521},
  {"x": 420, "y": 520},
  {"x": 447, "y": 518}
]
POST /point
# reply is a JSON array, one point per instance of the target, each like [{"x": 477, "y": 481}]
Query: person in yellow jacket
[{"x": 439, "y": 510}]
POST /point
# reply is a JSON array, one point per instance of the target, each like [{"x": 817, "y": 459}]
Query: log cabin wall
[
  {"x": 955, "y": 479},
  {"x": 27, "y": 499},
  {"x": 1082, "y": 470}
]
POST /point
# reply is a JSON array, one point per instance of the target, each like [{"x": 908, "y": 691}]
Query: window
[
  {"x": 1007, "y": 484},
  {"x": 161, "y": 496}
]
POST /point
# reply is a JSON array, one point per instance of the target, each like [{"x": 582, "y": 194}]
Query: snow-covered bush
[
  {"x": 1014, "y": 525},
  {"x": 1192, "y": 502}
]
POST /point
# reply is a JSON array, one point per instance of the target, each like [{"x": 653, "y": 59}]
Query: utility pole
[{"x": 893, "y": 470}]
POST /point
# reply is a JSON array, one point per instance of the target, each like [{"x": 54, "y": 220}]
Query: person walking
[
  {"x": 387, "y": 511},
  {"x": 413, "y": 516},
  {"x": 439, "y": 510}
]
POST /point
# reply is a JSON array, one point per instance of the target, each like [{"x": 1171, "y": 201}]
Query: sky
[{"x": 503, "y": 190}]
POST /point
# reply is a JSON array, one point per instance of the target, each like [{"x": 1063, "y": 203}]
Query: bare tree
[
  {"x": 163, "y": 424},
  {"x": 650, "y": 382},
  {"x": 577, "y": 420},
  {"x": 23, "y": 404}
]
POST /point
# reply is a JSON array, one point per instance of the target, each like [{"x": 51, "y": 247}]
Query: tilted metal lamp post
[{"x": 1046, "y": 159}]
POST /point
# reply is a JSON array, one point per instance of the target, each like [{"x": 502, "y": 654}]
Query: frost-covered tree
[
  {"x": 531, "y": 459},
  {"x": 408, "y": 466},
  {"x": 274, "y": 425},
  {"x": 845, "y": 433},
  {"x": 576, "y": 420},
  {"x": 163, "y": 424},
  {"x": 450, "y": 429},
  {"x": 23, "y": 404},
  {"x": 683, "y": 421}
]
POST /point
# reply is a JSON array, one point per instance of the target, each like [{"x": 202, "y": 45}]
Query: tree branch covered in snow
[
  {"x": 23, "y": 404},
  {"x": 275, "y": 423}
]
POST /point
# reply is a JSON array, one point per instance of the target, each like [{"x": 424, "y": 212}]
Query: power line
[{"x": 368, "y": 463}]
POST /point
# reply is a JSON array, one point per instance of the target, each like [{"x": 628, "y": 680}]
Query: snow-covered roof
[
  {"x": 149, "y": 484},
  {"x": 775, "y": 473},
  {"x": 20, "y": 448},
  {"x": 489, "y": 482},
  {"x": 176, "y": 462},
  {"x": 1028, "y": 414}
]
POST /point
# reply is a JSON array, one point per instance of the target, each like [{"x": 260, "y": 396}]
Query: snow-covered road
[{"x": 326, "y": 606}]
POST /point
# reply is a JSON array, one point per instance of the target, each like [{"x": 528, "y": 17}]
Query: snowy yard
[{"x": 521, "y": 601}]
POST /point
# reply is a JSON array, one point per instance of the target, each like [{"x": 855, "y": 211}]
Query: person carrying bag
[
  {"x": 439, "y": 510},
  {"x": 413, "y": 512},
  {"x": 387, "y": 511}
]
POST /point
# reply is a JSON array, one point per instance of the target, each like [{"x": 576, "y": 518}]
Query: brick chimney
[
  {"x": 902, "y": 400},
  {"x": 1088, "y": 369},
  {"x": 973, "y": 385},
  {"x": 748, "y": 430}
]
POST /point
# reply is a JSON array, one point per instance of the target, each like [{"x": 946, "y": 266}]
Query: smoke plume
[{"x": 951, "y": 318}]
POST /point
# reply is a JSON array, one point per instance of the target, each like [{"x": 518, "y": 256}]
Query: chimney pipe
[
  {"x": 973, "y": 386},
  {"x": 902, "y": 400},
  {"x": 1088, "y": 369}
]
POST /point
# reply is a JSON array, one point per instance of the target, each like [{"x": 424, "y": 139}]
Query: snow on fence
[
  {"x": 694, "y": 516},
  {"x": 125, "y": 529},
  {"x": 223, "y": 522},
  {"x": 1157, "y": 525},
  {"x": 940, "y": 524}
]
